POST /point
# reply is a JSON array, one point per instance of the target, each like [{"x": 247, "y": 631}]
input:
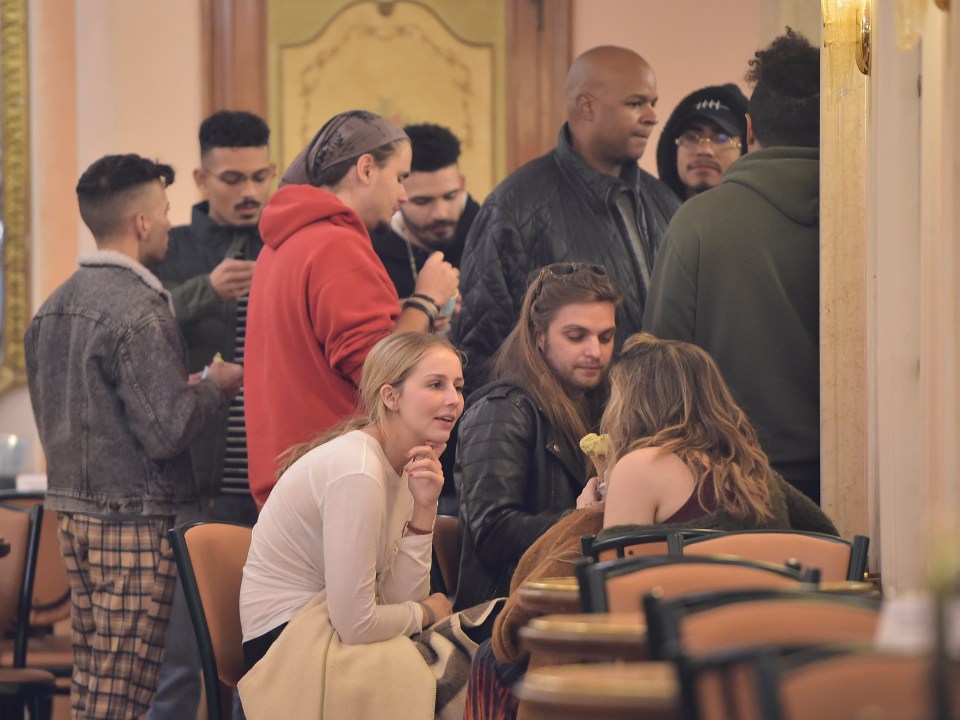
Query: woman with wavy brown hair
[{"x": 681, "y": 447}]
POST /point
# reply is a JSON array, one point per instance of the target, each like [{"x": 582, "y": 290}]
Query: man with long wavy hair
[{"x": 518, "y": 467}]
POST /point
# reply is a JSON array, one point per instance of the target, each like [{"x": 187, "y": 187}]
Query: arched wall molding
[{"x": 538, "y": 41}]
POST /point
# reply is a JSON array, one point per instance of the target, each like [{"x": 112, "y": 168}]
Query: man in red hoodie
[{"x": 321, "y": 298}]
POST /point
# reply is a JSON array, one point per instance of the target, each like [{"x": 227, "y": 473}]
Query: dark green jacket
[
  {"x": 208, "y": 324},
  {"x": 738, "y": 275}
]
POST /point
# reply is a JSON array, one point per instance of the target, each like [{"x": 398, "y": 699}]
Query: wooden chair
[
  {"x": 446, "y": 550},
  {"x": 619, "y": 585},
  {"x": 837, "y": 559},
  {"x": 50, "y": 602},
  {"x": 210, "y": 558},
  {"x": 827, "y": 683},
  {"x": 633, "y": 544},
  {"x": 713, "y": 638},
  {"x": 20, "y": 685}
]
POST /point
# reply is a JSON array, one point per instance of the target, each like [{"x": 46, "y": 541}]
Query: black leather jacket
[
  {"x": 515, "y": 476},
  {"x": 556, "y": 208}
]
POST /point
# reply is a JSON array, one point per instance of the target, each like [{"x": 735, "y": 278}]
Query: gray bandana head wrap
[{"x": 347, "y": 135}]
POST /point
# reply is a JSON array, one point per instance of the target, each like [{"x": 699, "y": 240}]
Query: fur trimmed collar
[{"x": 116, "y": 259}]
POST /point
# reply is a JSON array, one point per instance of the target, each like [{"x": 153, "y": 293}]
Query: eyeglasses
[
  {"x": 563, "y": 270},
  {"x": 233, "y": 178},
  {"x": 721, "y": 142}
]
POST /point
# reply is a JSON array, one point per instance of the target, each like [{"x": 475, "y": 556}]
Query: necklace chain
[{"x": 413, "y": 263}]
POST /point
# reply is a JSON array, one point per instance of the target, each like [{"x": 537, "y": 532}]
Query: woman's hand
[
  {"x": 439, "y": 605},
  {"x": 424, "y": 476},
  {"x": 590, "y": 497}
]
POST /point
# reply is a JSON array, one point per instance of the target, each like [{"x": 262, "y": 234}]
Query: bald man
[{"x": 586, "y": 200}]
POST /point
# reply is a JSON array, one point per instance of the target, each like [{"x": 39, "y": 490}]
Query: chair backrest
[
  {"x": 633, "y": 544},
  {"x": 446, "y": 549},
  {"x": 20, "y": 527},
  {"x": 713, "y": 638},
  {"x": 866, "y": 684},
  {"x": 837, "y": 559},
  {"x": 619, "y": 585},
  {"x": 51, "y": 587},
  {"x": 210, "y": 559}
]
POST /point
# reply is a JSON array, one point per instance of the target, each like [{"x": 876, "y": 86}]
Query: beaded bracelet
[{"x": 415, "y": 530}]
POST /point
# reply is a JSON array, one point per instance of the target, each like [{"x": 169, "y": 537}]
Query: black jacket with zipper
[{"x": 515, "y": 477}]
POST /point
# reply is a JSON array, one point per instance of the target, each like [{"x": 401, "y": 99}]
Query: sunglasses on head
[{"x": 564, "y": 270}]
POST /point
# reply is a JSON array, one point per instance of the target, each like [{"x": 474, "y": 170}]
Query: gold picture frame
[{"x": 14, "y": 189}]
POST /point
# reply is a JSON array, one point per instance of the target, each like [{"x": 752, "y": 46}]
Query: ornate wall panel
[{"x": 402, "y": 61}]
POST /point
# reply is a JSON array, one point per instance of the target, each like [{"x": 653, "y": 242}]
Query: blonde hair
[
  {"x": 670, "y": 395},
  {"x": 389, "y": 362}
]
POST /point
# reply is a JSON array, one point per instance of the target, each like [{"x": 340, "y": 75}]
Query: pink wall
[{"x": 689, "y": 43}]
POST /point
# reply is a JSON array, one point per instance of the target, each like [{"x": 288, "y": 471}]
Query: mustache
[
  {"x": 441, "y": 224},
  {"x": 247, "y": 205},
  {"x": 704, "y": 163}
]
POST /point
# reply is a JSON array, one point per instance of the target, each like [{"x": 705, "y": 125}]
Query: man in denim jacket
[{"x": 116, "y": 413}]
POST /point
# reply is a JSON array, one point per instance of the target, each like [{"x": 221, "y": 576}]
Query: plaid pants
[{"x": 121, "y": 581}]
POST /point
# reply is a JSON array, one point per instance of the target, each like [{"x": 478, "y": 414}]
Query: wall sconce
[
  {"x": 847, "y": 40},
  {"x": 862, "y": 49}
]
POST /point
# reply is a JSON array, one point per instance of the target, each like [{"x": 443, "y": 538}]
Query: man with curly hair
[{"x": 738, "y": 273}]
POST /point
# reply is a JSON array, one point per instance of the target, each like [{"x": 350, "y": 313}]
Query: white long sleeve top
[{"x": 333, "y": 525}]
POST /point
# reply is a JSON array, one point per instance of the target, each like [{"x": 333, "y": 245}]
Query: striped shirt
[{"x": 235, "y": 478}]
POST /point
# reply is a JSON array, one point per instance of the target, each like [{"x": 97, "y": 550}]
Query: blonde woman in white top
[{"x": 349, "y": 523}]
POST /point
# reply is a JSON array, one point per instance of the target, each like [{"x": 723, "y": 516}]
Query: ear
[
  {"x": 540, "y": 338},
  {"x": 389, "y": 396},
  {"x": 364, "y": 168},
  {"x": 201, "y": 179},
  {"x": 751, "y": 139},
  {"x": 585, "y": 106},
  {"x": 463, "y": 181},
  {"x": 141, "y": 225}
]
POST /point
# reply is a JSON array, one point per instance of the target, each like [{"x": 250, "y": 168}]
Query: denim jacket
[{"x": 106, "y": 369}]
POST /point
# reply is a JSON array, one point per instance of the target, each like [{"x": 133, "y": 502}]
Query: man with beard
[
  {"x": 704, "y": 135},
  {"x": 519, "y": 467},
  {"x": 435, "y": 216},
  {"x": 208, "y": 269}
]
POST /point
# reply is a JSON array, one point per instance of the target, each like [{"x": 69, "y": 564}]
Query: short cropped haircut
[
  {"x": 109, "y": 183},
  {"x": 785, "y": 105},
  {"x": 434, "y": 147},
  {"x": 233, "y": 129}
]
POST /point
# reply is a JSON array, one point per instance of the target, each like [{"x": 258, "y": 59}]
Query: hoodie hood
[
  {"x": 786, "y": 177},
  {"x": 294, "y": 207}
]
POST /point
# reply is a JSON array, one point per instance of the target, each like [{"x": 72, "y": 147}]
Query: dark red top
[{"x": 692, "y": 509}]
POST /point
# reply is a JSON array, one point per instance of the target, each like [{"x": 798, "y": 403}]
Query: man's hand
[
  {"x": 438, "y": 279},
  {"x": 229, "y": 376},
  {"x": 231, "y": 278}
]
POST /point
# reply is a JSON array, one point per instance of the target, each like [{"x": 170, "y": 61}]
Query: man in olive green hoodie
[{"x": 738, "y": 273}]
